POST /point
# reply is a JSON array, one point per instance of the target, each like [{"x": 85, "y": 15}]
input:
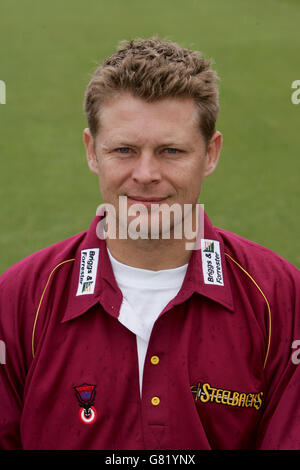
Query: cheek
[
  {"x": 188, "y": 179},
  {"x": 111, "y": 178}
]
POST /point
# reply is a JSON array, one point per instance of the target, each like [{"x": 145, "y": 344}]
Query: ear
[
  {"x": 90, "y": 151},
  {"x": 213, "y": 153}
]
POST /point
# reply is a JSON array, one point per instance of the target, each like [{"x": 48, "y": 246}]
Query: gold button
[
  {"x": 155, "y": 401},
  {"x": 154, "y": 360}
]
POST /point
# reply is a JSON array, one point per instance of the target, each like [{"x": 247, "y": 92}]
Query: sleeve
[
  {"x": 279, "y": 428},
  {"x": 20, "y": 290},
  {"x": 12, "y": 373}
]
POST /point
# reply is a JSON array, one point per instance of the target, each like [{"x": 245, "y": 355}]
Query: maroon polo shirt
[{"x": 218, "y": 372}]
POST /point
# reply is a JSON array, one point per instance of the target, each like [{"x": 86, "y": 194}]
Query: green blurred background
[{"x": 49, "y": 49}]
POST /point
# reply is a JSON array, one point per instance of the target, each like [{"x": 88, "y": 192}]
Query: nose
[{"x": 146, "y": 169}]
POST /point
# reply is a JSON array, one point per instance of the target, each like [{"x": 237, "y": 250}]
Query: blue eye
[
  {"x": 171, "y": 150},
  {"x": 124, "y": 149}
]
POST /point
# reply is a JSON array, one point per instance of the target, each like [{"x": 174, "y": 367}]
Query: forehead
[{"x": 128, "y": 116}]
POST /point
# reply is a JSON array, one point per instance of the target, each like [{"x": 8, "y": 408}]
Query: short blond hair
[{"x": 153, "y": 69}]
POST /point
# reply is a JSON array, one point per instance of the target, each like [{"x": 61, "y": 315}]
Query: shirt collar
[
  {"x": 109, "y": 295},
  {"x": 194, "y": 279}
]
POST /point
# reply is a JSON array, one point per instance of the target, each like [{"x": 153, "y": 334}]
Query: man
[{"x": 123, "y": 337}]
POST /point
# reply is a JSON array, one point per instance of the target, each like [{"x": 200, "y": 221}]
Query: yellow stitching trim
[
  {"x": 41, "y": 300},
  {"x": 268, "y": 305}
]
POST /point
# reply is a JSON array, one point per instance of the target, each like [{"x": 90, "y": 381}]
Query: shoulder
[
  {"x": 259, "y": 261},
  {"x": 22, "y": 284},
  {"x": 39, "y": 264},
  {"x": 21, "y": 289},
  {"x": 264, "y": 276}
]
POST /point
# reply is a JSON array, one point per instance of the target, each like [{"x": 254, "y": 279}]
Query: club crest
[{"x": 85, "y": 394}]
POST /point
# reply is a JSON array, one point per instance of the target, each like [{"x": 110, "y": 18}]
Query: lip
[{"x": 146, "y": 201}]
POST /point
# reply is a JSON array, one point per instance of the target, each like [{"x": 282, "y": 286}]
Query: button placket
[{"x": 155, "y": 401}]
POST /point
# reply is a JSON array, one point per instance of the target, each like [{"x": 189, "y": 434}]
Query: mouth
[{"x": 147, "y": 201}]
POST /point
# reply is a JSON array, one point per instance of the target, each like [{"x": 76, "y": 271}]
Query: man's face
[{"x": 153, "y": 153}]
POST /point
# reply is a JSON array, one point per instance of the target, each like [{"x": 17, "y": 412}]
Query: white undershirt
[{"x": 145, "y": 294}]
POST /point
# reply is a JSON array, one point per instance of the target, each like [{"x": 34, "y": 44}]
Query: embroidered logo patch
[
  {"x": 88, "y": 271},
  {"x": 205, "y": 393},
  {"x": 211, "y": 262},
  {"x": 85, "y": 394}
]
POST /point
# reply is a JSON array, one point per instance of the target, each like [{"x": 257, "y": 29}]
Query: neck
[
  {"x": 150, "y": 254},
  {"x": 159, "y": 253}
]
